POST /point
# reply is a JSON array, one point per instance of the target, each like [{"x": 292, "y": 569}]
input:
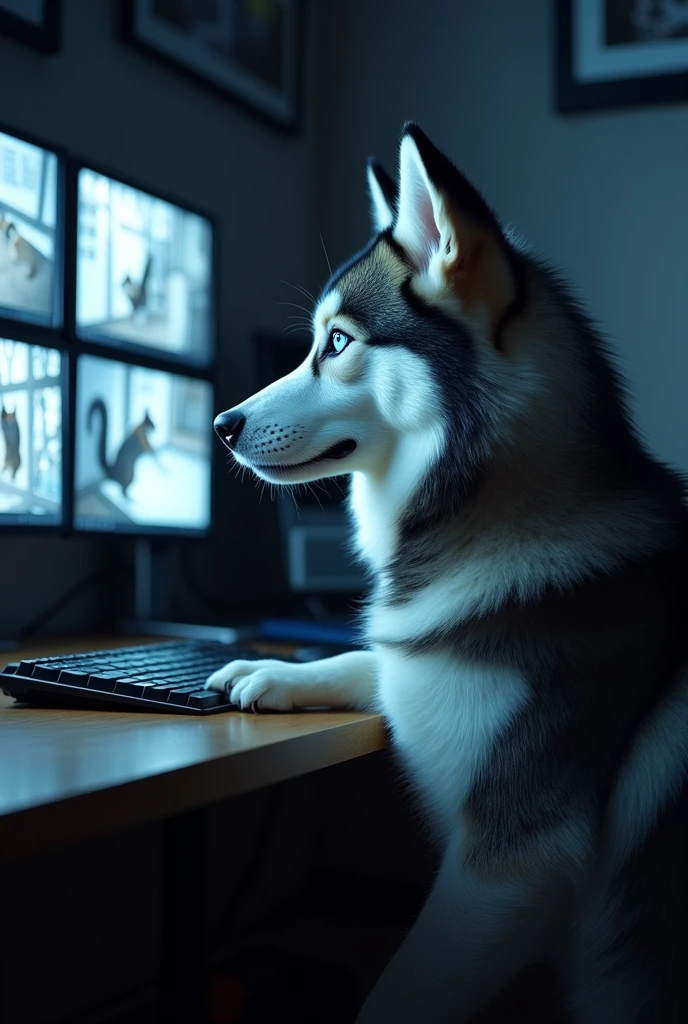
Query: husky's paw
[{"x": 267, "y": 685}]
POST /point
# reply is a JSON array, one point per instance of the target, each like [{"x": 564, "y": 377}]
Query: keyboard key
[
  {"x": 73, "y": 678},
  {"x": 131, "y": 687},
  {"x": 50, "y": 673},
  {"x": 102, "y": 681},
  {"x": 160, "y": 692},
  {"x": 179, "y": 694},
  {"x": 209, "y": 699}
]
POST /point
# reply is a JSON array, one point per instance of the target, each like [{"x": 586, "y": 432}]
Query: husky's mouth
[{"x": 335, "y": 451}]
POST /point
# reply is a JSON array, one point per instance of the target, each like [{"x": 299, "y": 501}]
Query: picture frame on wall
[
  {"x": 248, "y": 50},
  {"x": 35, "y": 23},
  {"x": 619, "y": 53}
]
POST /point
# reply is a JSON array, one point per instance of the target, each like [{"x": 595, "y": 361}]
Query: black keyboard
[{"x": 166, "y": 677}]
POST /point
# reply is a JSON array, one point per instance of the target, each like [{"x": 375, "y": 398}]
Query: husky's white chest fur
[{"x": 445, "y": 715}]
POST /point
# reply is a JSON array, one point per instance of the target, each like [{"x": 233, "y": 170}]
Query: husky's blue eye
[{"x": 337, "y": 342}]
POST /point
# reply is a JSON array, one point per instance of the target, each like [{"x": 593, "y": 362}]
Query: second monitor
[
  {"x": 143, "y": 449},
  {"x": 144, "y": 271}
]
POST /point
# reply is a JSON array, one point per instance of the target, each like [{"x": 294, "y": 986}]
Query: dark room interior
[{"x": 178, "y": 181}]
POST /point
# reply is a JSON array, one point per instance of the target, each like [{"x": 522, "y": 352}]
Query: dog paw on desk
[
  {"x": 267, "y": 685},
  {"x": 346, "y": 680}
]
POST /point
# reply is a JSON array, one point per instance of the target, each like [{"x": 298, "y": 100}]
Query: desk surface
[{"x": 69, "y": 776}]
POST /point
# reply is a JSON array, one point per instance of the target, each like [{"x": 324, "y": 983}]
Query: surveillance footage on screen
[
  {"x": 31, "y": 434},
  {"x": 28, "y": 219},
  {"x": 144, "y": 271},
  {"x": 143, "y": 448}
]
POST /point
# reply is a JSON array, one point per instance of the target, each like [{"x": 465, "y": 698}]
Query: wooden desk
[{"x": 69, "y": 776}]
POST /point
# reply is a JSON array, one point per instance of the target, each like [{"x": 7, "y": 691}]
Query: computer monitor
[
  {"x": 143, "y": 449},
  {"x": 30, "y": 232},
  {"x": 313, "y": 523},
  {"x": 144, "y": 271},
  {"x": 32, "y": 397}
]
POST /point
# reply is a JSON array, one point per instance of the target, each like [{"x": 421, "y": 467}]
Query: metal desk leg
[{"x": 182, "y": 938}]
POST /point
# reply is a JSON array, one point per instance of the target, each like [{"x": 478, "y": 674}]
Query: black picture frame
[
  {"x": 574, "y": 95},
  {"x": 46, "y": 36},
  {"x": 280, "y": 108}
]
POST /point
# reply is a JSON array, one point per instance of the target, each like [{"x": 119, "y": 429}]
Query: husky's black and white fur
[{"x": 526, "y": 625}]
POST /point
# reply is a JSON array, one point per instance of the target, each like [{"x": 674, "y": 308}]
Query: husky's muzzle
[{"x": 229, "y": 425}]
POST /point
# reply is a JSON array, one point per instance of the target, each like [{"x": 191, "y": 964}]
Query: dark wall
[{"x": 128, "y": 112}]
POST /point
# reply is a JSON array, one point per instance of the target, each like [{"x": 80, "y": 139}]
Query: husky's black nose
[{"x": 228, "y": 425}]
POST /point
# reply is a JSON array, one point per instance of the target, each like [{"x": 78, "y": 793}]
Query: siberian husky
[{"x": 526, "y": 628}]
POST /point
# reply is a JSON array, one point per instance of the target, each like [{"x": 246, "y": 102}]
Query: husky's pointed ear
[
  {"x": 383, "y": 195},
  {"x": 448, "y": 230}
]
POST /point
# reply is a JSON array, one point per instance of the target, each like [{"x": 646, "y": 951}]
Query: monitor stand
[{"x": 153, "y": 565}]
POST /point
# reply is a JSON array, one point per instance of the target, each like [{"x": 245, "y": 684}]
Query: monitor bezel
[
  {"x": 76, "y": 164},
  {"x": 138, "y": 531},
  {"x": 61, "y": 529},
  {"x": 13, "y": 319}
]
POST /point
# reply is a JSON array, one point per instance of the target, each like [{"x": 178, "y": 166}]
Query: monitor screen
[
  {"x": 144, "y": 271},
  {"x": 30, "y": 288},
  {"x": 143, "y": 449},
  {"x": 31, "y": 399}
]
